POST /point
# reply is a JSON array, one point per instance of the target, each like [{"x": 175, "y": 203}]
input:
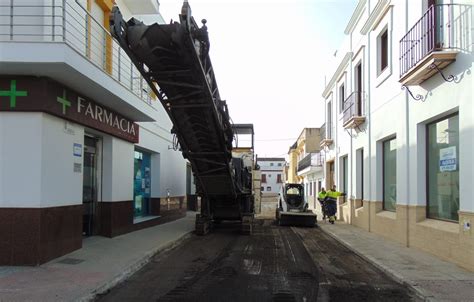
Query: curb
[
  {"x": 133, "y": 268},
  {"x": 394, "y": 275}
]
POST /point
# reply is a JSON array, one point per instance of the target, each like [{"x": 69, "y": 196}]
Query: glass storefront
[
  {"x": 390, "y": 174},
  {"x": 141, "y": 183},
  {"x": 443, "y": 168},
  {"x": 89, "y": 188}
]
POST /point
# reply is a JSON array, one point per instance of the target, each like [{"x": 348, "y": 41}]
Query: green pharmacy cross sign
[
  {"x": 64, "y": 101},
  {"x": 13, "y": 93}
]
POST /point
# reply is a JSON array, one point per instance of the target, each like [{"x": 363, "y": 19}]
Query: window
[
  {"x": 389, "y": 179},
  {"x": 358, "y": 88},
  {"x": 360, "y": 173},
  {"x": 264, "y": 178},
  {"x": 382, "y": 51},
  {"x": 279, "y": 164},
  {"x": 262, "y": 189},
  {"x": 342, "y": 95},
  {"x": 329, "y": 121},
  {"x": 311, "y": 189},
  {"x": 345, "y": 174},
  {"x": 141, "y": 182},
  {"x": 269, "y": 188},
  {"x": 271, "y": 164},
  {"x": 279, "y": 178},
  {"x": 443, "y": 169}
]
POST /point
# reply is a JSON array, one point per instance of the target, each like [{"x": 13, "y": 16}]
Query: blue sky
[{"x": 270, "y": 59}]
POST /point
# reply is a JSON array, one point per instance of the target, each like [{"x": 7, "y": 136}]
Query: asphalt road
[{"x": 274, "y": 264}]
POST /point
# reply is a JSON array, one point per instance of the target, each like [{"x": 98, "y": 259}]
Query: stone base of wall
[
  {"x": 32, "y": 236},
  {"x": 360, "y": 216},
  {"x": 116, "y": 218},
  {"x": 409, "y": 226}
]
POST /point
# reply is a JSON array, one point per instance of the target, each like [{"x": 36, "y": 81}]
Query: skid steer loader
[{"x": 292, "y": 207}]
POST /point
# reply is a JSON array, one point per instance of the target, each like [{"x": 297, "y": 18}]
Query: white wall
[
  {"x": 271, "y": 177},
  {"x": 391, "y": 111},
  {"x": 117, "y": 170},
  {"x": 38, "y": 162},
  {"x": 60, "y": 185},
  {"x": 168, "y": 163},
  {"x": 21, "y": 145},
  {"x": 271, "y": 172}
]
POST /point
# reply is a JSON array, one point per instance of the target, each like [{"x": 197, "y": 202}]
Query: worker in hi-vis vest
[
  {"x": 331, "y": 203},
  {"x": 321, "y": 197}
]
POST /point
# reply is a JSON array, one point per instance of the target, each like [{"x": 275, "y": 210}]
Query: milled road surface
[{"x": 274, "y": 264}]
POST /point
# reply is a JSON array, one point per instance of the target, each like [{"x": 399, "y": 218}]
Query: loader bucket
[{"x": 307, "y": 219}]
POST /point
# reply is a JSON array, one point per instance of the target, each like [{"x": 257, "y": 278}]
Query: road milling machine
[
  {"x": 174, "y": 60},
  {"x": 292, "y": 207}
]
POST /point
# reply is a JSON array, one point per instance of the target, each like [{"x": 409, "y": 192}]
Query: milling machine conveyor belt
[{"x": 175, "y": 57}]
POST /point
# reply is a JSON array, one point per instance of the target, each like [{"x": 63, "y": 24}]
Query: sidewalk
[
  {"x": 431, "y": 277},
  {"x": 100, "y": 264}
]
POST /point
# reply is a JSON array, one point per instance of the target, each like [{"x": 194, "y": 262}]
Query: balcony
[
  {"x": 322, "y": 131},
  {"x": 311, "y": 162},
  {"x": 63, "y": 41},
  {"x": 433, "y": 42},
  {"x": 326, "y": 139},
  {"x": 352, "y": 113}
]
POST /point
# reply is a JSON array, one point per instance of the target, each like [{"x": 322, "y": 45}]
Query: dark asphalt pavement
[{"x": 274, "y": 264}]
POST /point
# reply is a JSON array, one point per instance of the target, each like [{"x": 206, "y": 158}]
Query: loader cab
[
  {"x": 294, "y": 195},
  {"x": 292, "y": 208}
]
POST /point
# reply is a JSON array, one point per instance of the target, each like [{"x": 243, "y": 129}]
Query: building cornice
[
  {"x": 355, "y": 16},
  {"x": 337, "y": 74},
  {"x": 379, "y": 11}
]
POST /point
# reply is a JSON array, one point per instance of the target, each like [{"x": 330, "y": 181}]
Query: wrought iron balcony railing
[
  {"x": 352, "y": 112},
  {"x": 67, "y": 21},
  {"x": 311, "y": 160},
  {"x": 442, "y": 27},
  {"x": 326, "y": 134}
]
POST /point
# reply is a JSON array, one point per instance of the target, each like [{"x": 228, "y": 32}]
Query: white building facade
[
  {"x": 307, "y": 160},
  {"x": 84, "y": 144},
  {"x": 310, "y": 169},
  {"x": 399, "y": 134},
  {"x": 271, "y": 169}
]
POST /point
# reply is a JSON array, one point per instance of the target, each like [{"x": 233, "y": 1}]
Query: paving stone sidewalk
[
  {"x": 99, "y": 265},
  {"x": 432, "y": 278}
]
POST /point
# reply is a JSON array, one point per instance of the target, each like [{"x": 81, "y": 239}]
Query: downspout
[
  {"x": 351, "y": 188},
  {"x": 407, "y": 105},
  {"x": 369, "y": 132}
]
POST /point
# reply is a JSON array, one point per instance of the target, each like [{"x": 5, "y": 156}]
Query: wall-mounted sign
[
  {"x": 447, "y": 159},
  {"x": 77, "y": 149},
  {"x": 24, "y": 93},
  {"x": 77, "y": 168}
]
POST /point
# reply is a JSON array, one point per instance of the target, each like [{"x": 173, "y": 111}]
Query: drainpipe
[
  {"x": 369, "y": 132},
  {"x": 351, "y": 188},
  {"x": 407, "y": 107}
]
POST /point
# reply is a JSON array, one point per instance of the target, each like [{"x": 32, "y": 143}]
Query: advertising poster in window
[{"x": 447, "y": 159}]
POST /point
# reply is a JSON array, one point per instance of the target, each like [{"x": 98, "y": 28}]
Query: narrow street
[{"x": 275, "y": 264}]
